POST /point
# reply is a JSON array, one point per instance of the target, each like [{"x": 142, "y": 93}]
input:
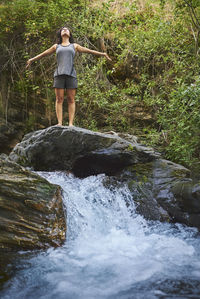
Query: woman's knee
[
  {"x": 59, "y": 99},
  {"x": 71, "y": 99}
]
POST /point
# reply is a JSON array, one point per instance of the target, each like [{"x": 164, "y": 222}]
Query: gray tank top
[{"x": 65, "y": 60}]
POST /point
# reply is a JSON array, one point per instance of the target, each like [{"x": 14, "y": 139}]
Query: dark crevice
[{"x": 94, "y": 164}]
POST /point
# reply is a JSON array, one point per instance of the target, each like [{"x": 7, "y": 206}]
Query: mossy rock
[{"x": 31, "y": 209}]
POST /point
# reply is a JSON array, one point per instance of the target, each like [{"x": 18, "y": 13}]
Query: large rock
[
  {"x": 31, "y": 209},
  {"x": 81, "y": 151},
  {"x": 162, "y": 190}
]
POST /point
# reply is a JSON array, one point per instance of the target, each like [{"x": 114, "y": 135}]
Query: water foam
[{"x": 110, "y": 250}]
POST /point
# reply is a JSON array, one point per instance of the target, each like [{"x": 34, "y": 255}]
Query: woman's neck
[{"x": 65, "y": 41}]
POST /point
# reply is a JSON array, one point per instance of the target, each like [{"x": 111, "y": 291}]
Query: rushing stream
[{"x": 110, "y": 251}]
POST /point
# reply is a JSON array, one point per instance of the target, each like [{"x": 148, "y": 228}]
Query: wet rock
[
  {"x": 164, "y": 191},
  {"x": 141, "y": 182},
  {"x": 187, "y": 197},
  {"x": 31, "y": 209},
  {"x": 81, "y": 151}
]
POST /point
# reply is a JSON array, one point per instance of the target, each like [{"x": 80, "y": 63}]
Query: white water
[{"x": 110, "y": 251}]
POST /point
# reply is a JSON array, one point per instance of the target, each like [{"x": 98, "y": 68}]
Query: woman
[{"x": 65, "y": 74}]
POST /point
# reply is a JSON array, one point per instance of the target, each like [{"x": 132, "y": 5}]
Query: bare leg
[
  {"x": 59, "y": 104},
  {"x": 71, "y": 105}
]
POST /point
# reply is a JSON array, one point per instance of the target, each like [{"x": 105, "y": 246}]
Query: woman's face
[{"x": 65, "y": 31}]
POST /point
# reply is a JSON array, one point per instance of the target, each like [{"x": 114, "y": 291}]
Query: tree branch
[{"x": 194, "y": 13}]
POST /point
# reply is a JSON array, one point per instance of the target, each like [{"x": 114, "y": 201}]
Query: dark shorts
[{"x": 65, "y": 81}]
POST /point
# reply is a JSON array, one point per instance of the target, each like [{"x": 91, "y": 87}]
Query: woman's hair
[{"x": 59, "y": 38}]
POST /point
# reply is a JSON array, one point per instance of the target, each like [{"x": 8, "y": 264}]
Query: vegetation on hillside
[{"x": 154, "y": 45}]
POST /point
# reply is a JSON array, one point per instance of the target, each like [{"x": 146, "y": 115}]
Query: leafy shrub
[{"x": 154, "y": 62}]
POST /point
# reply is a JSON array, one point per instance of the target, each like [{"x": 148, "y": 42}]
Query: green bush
[
  {"x": 155, "y": 63},
  {"x": 181, "y": 118}
]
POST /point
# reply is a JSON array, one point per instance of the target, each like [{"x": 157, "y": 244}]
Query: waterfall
[{"x": 110, "y": 251}]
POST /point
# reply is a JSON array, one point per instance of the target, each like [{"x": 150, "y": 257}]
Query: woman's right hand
[
  {"x": 107, "y": 57},
  {"x": 28, "y": 63},
  {"x": 45, "y": 53}
]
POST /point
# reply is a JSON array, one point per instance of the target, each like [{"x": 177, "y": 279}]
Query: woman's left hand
[{"x": 107, "y": 57}]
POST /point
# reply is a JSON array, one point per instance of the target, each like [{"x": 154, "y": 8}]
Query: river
[{"x": 110, "y": 251}]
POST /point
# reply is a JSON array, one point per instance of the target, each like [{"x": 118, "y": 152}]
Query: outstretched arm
[
  {"x": 45, "y": 53},
  {"x": 81, "y": 49}
]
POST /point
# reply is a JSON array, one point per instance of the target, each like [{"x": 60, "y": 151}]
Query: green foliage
[
  {"x": 29, "y": 30},
  {"x": 155, "y": 64},
  {"x": 96, "y": 100},
  {"x": 181, "y": 118}
]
